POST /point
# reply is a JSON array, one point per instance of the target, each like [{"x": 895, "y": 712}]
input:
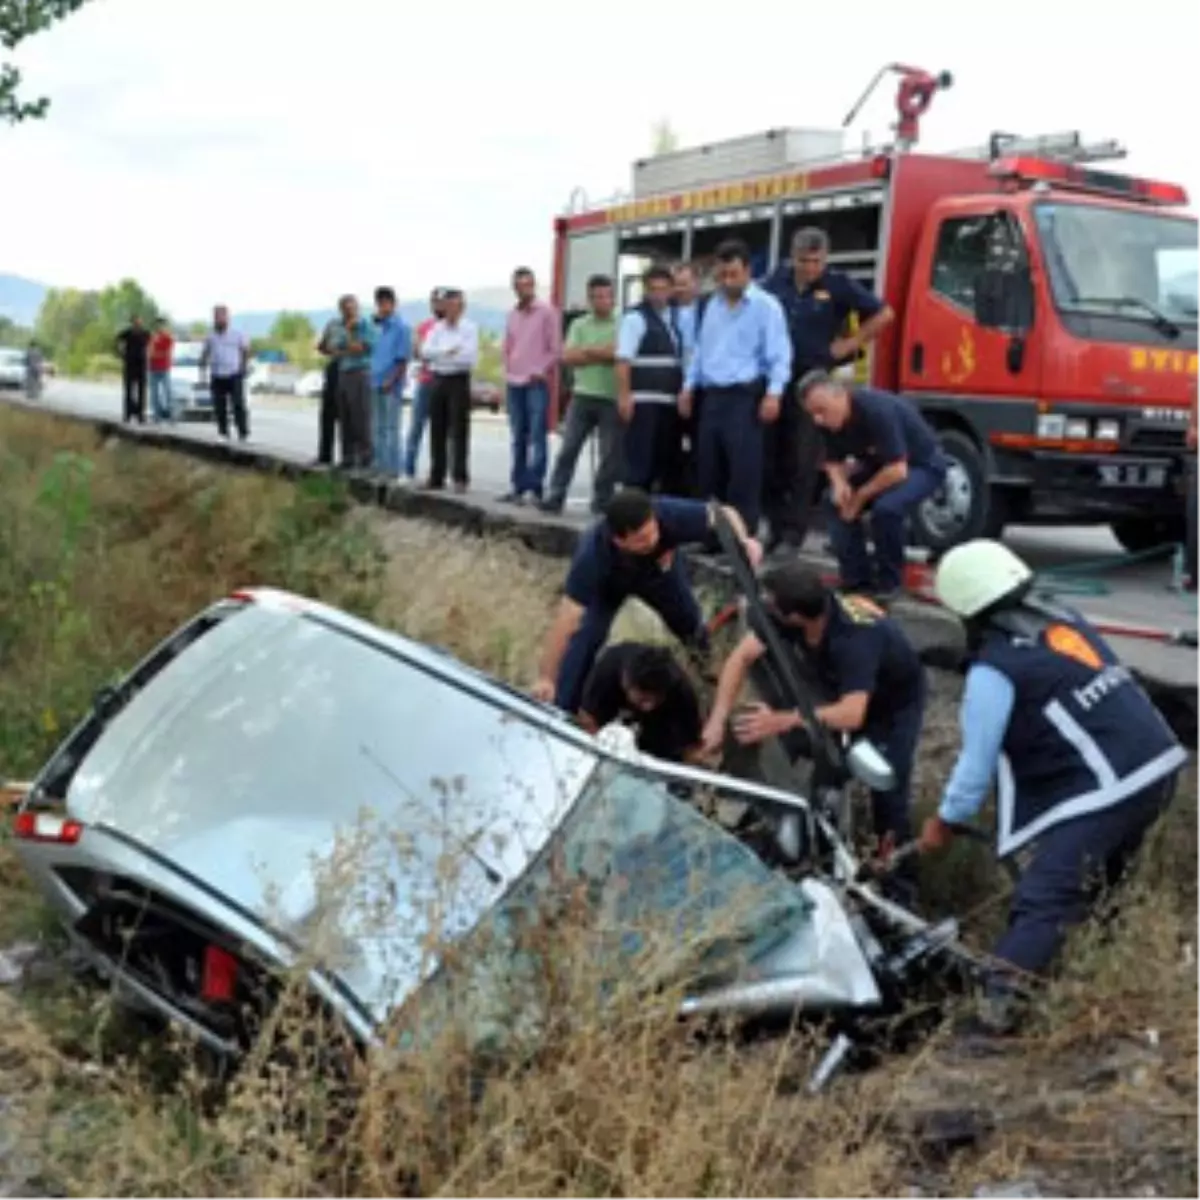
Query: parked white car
[
  {"x": 310, "y": 385},
  {"x": 190, "y": 398},
  {"x": 12, "y": 368}
]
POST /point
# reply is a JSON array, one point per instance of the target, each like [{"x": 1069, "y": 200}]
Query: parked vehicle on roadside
[
  {"x": 242, "y": 801},
  {"x": 486, "y": 395},
  {"x": 191, "y": 397},
  {"x": 310, "y": 385},
  {"x": 12, "y": 368}
]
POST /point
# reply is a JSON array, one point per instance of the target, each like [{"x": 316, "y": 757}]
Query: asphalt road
[{"x": 289, "y": 425}]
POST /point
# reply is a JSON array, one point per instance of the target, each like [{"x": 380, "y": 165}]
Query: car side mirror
[{"x": 868, "y": 765}]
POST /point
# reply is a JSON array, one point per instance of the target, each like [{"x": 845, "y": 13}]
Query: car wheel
[
  {"x": 964, "y": 507},
  {"x": 1139, "y": 534}
]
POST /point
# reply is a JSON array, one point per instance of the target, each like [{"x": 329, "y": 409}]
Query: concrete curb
[{"x": 936, "y": 635}]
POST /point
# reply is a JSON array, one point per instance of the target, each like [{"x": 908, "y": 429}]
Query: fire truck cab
[{"x": 1045, "y": 310}]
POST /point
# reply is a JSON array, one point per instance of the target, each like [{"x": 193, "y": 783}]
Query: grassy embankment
[{"x": 105, "y": 548}]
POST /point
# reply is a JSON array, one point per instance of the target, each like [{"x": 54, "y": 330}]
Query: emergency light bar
[{"x": 1040, "y": 170}]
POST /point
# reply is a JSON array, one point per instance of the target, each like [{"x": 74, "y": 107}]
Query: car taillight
[
  {"x": 46, "y": 827},
  {"x": 220, "y": 975}
]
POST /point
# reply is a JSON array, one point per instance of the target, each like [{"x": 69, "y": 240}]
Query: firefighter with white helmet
[{"x": 1082, "y": 760}]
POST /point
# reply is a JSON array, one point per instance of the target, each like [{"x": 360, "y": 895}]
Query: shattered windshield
[
  {"x": 1117, "y": 261},
  {"x": 647, "y": 892}
]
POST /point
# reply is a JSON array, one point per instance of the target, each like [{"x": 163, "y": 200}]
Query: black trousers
[
  {"x": 791, "y": 460},
  {"x": 1189, "y": 545},
  {"x": 229, "y": 391},
  {"x": 329, "y": 414},
  {"x": 653, "y": 448},
  {"x": 135, "y": 395},
  {"x": 450, "y": 421}
]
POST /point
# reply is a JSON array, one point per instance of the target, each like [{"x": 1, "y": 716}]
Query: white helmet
[{"x": 974, "y": 576}]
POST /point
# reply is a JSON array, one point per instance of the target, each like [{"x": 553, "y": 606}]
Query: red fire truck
[{"x": 1045, "y": 310}]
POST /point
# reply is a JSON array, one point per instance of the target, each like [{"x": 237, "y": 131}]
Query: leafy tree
[
  {"x": 120, "y": 301},
  {"x": 64, "y": 317},
  {"x": 663, "y": 138},
  {"x": 79, "y": 328},
  {"x": 21, "y": 19},
  {"x": 12, "y": 334},
  {"x": 289, "y": 327}
]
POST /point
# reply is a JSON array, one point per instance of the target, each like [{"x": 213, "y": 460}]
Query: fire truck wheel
[
  {"x": 964, "y": 507},
  {"x": 1138, "y": 534}
]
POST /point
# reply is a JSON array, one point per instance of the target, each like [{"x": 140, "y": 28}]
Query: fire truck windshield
[{"x": 1119, "y": 262}]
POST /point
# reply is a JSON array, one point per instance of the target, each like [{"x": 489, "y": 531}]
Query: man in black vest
[
  {"x": 1084, "y": 763},
  {"x": 649, "y": 378}
]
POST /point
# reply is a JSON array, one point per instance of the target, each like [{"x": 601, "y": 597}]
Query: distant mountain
[{"x": 21, "y": 298}]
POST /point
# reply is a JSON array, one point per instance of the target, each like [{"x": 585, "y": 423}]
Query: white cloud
[{"x": 274, "y": 152}]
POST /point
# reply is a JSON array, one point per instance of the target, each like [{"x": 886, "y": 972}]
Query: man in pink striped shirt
[{"x": 532, "y": 347}]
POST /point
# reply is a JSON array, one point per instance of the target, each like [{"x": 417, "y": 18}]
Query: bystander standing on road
[
  {"x": 649, "y": 377},
  {"x": 451, "y": 350},
  {"x": 425, "y": 380},
  {"x": 589, "y": 351},
  {"x": 131, "y": 344},
  {"x": 226, "y": 356},
  {"x": 162, "y": 347},
  {"x": 389, "y": 364},
  {"x": 1190, "y": 554},
  {"x": 532, "y": 347},
  {"x": 329, "y": 422},
  {"x": 743, "y": 361},
  {"x": 688, "y": 305},
  {"x": 351, "y": 341}
]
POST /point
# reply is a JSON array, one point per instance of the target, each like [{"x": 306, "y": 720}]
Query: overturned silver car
[{"x": 279, "y": 784}]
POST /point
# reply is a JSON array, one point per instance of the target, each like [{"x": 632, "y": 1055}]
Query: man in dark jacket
[
  {"x": 820, "y": 305},
  {"x": 132, "y": 344}
]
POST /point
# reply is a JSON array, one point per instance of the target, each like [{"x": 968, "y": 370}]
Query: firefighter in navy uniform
[
  {"x": 649, "y": 378},
  {"x": 1084, "y": 763},
  {"x": 820, "y": 304}
]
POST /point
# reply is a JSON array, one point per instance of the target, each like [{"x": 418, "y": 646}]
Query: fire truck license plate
[{"x": 1139, "y": 475}]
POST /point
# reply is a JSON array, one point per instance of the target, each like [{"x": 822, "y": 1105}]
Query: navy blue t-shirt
[
  {"x": 883, "y": 428},
  {"x": 817, "y": 314},
  {"x": 862, "y": 652},
  {"x": 600, "y": 572}
]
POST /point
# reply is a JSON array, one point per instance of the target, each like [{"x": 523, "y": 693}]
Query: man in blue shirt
[
  {"x": 743, "y": 361},
  {"x": 390, "y": 353},
  {"x": 632, "y": 551},
  {"x": 1082, "y": 761},
  {"x": 881, "y": 457},
  {"x": 649, "y": 376},
  {"x": 819, "y": 304}
]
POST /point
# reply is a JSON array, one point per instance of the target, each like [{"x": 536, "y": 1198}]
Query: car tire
[
  {"x": 965, "y": 507},
  {"x": 1139, "y": 534}
]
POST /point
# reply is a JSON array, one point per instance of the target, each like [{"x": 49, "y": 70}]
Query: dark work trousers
[
  {"x": 889, "y": 522},
  {"x": 669, "y": 593},
  {"x": 791, "y": 451},
  {"x": 587, "y": 415},
  {"x": 329, "y": 413},
  {"x": 1071, "y": 865},
  {"x": 687, "y": 483},
  {"x": 354, "y": 416},
  {"x": 450, "y": 421},
  {"x": 229, "y": 391},
  {"x": 1189, "y": 545},
  {"x": 134, "y": 384},
  {"x": 653, "y": 444},
  {"x": 730, "y": 462},
  {"x": 896, "y": 735}
]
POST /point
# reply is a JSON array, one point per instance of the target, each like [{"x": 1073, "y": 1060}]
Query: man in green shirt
[{"x": 588, "y": 351}]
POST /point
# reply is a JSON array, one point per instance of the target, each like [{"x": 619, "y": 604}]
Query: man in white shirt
[
  {"x": 225, "y": 356},
  {"x": 451, "y": 351}
]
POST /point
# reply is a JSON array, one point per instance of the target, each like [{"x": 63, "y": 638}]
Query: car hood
[{"x": 348, "y": 797}]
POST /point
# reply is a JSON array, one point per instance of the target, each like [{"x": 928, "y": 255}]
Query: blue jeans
[
  {"x": 385, "y": 430},
  {"x": 528, "y": 405},
  {"x": 889, "y": 515},
  {"x": 416, "y": 428},
  {"x": 160, "y": 395}
]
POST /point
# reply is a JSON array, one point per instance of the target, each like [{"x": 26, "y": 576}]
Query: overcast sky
[{"x": 273, "y": 153}]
